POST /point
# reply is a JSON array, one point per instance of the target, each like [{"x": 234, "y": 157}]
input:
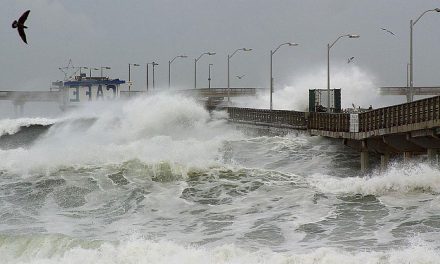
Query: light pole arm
[
  {"x": 423, "y": 15},
  {"x": 233, "y": 53},
  {"x": 171, "y": 61},
  {"x": 201, "y": 56},
  {"x": 273, "y": 52},
  {"x": 331, "y": 45}
]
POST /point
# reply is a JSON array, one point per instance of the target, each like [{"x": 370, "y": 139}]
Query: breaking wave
[
  {"x": 12, "y": 126},
  {"x": 61, "y": 249},
  {"x": 413, "y": 178},
  {"x": 152, "y": 129}
]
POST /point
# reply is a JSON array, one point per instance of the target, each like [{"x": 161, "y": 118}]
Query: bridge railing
[
  {"x": 404, "y": 114},
  {"x": 278, "y": 118},
  {"x": 339, "y": 122}
]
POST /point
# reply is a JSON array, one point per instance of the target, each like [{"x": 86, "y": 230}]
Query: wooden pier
[{"x": 405, "y": 129}]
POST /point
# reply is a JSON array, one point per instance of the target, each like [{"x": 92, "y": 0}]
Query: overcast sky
[{"x": 114, "y": 33}]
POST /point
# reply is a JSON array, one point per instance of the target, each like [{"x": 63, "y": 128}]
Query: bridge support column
[
  {"x": 407, "y": 156},
  {"x": 364, "y": 156},
  {"x": 432, "y": 155},
  {"x": 364, "y": 161},
  {"x": 384, "y": 160}
]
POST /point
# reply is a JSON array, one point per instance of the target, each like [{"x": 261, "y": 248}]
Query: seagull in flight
[
  {"x": 350, "y": 59},
  {"x": 19, "y": 25},
  {"x": 239, "y": 77},
  {"x": 389, "y": 31}
]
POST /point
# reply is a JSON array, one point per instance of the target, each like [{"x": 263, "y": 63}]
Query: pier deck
[{"x": 410, "y": 128}]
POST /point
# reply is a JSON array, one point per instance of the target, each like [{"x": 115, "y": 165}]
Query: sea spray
[
  {"x": 358, "y": 87},
  {"x": 152, "y": 129}
]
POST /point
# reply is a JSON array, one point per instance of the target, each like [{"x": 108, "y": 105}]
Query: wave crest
[
  {"x": 12, "y": 126},
  {"x": 415, "y": 178}
]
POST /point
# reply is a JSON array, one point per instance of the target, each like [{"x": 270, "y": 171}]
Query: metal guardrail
[
  {"x": 276, "y": 118},
  {"x": 339, "y": 122},
  {"x": 398, "y": 115},
  {"x": 34, "y": 96},
  {"x": 402, "y": 90},
  {"x": 416, "y": 112},
  {"x": 222, "y": 92}
]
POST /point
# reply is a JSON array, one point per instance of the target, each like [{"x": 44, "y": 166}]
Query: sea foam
[
  {"x": 403, "y": 179},
  {"x": 58, "y": 249}
]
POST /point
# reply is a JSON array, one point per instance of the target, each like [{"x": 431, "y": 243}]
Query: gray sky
[{"x": 115, "y": 33}]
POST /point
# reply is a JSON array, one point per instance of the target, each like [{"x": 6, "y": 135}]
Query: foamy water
[
  {"x": 63, "y": 250},
  {"x": 161, "y": 180}
]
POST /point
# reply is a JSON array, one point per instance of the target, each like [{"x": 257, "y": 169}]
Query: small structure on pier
[
  {"x": 318, "y": 100},
  {"x": 84, "y": 89},
  {"x": 71, "y": 92}
]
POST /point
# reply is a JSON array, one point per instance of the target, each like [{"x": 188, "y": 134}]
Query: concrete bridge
[{"x": 405, "y": 129}]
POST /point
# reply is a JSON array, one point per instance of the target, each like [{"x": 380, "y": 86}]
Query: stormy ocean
[{"x": 161, "y": 180}]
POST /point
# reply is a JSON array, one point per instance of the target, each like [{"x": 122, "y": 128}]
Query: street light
[
  {"x": 195, "y": 66},
  {"x": 129, "y": 75},
  {"x": 80, "y": 68},
  {"x": 209, "y": 75},
  {"x": 104, "y": 67},
  {"x": 169, "y": 68},
  {"x": 271, "y": 71},
  {"x": 329, "y": 46},
  {"x": 229, "y": 58},
  {"x": 154, "y": 64},
  {"x": 411, "y": 25},
  {"x": 90, "y": 73}
]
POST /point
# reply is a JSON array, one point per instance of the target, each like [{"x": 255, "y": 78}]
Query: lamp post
[
  {"x": 411, "y": 26},
  {"x": 209, "y": 75},
  {"x": 129, "y": 76},
  {"x": 329, "y": 46},
  {"x": 104, "y": 67},
  {"x": 272, "y": 52},
  {"x": 82, "y": 67},
  {"x": 90, "y": 69},
  {"x": 154, "y": 64},
  {"x": 229, "y": 58},
  {"x": 195, "y": 66},
  {"x": 148, "y": 82},
  {"x": 169, "y": 68}
]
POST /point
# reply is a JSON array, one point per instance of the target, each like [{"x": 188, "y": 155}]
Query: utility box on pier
[
  {"x": 354, "y": 123},
  {"x": 318, "y": 100}
]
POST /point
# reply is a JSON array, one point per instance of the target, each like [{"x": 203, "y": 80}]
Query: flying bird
[
  {"x": 239, "y": 77},
  {"x": 19, "y": 25},
  {"x": 350, "y": 59},
  {"x": 389, "y": 31}
]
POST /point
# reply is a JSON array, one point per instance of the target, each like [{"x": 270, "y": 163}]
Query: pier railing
[
  {"x": 425, "y": 113},
  {"x": 398, "y": 115},
  {"x": 222, "y": 92},
  {"x": 339, "y": 122},
  {"x": 275, "y": 118}
]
